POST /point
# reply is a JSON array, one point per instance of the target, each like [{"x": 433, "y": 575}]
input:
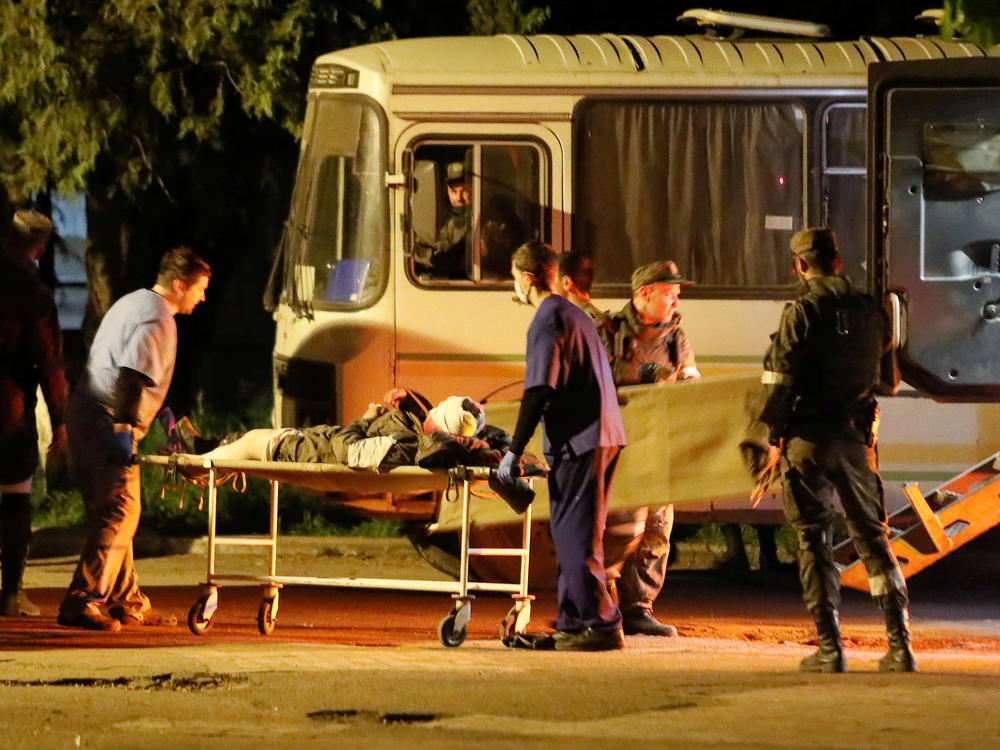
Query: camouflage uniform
[
  {"x": 643, "y": 353},
  {"x": 445, "y": 256}
]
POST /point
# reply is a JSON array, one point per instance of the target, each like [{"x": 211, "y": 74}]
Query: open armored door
[{"x": 934, "y": 167}]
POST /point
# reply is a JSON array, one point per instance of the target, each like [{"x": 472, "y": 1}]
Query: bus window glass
[
  {"x": 845, "y": 128},
  {"x": 716, "y": 186},
  {"x": 511, "y": 209},
  {"x": 844, "y": 184},
  {"x": 340, "y": 208},
  {"x": 472, "y": 205},
  {"x": 961, "y": 159}
]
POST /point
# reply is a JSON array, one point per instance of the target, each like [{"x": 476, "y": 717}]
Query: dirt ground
[{"x": 363, "y": 668}]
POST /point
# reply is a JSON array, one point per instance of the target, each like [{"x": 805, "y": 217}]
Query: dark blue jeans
[{"x": 579, "y": 488}]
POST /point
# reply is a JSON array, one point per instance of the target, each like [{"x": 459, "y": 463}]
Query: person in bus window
[
  {"x": 445, "y": 256},
  {"x": 647, "y": 345}
]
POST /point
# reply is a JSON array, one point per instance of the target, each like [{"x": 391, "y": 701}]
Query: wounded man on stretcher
[{"x": 402, "y": 431}]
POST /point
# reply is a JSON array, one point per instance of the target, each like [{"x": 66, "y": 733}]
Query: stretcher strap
[{"x": 175, "y": 479}]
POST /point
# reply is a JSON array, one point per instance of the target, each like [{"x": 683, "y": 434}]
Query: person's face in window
[
  {"x": 658, "y": 301},
  {"x": 459, "y": 194}
]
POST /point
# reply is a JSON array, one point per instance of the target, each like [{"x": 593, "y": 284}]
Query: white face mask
[{"x": 522, "y": 296}]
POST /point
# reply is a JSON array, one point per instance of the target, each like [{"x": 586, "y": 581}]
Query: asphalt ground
[{"x": 363, "y": 668}]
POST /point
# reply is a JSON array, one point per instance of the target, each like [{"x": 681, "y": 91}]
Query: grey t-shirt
[{"x": 138, "y": 332}]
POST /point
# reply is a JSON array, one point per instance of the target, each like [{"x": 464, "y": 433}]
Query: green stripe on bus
[
  {"x": 916, "y": 476},
  {"x": 458, "y": 357}
]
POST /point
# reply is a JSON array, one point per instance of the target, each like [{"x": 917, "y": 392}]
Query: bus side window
[
  {"x": 845, "y": 175},
  {"x": 442, "y": 212},
  {"x": 425, "y": 202},
  {"x": 471, "y": 206},
  {"x": 511, "y": 209}
]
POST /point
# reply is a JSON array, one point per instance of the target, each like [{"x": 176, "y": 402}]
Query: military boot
[
  {"x": 897, "y": 627},
  {"x": 829, "y": 657}
]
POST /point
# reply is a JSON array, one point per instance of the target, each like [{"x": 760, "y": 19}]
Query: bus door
[
  {"x": 474, "y": 193},
  {"x": 934, "y": 209}
]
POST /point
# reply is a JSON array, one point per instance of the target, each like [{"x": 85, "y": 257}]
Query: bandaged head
[{"x": 458, "y": 415}]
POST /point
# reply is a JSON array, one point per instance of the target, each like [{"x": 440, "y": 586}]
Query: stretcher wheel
[
  {"x": 516, "y": 619},
  {"x": 267, "y": 615},
  {"x": 198, "y": 623},
  {"x": 450, "y": 635}
]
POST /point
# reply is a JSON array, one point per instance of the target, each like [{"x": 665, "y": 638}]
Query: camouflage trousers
[{"x": 644, "y": 571}]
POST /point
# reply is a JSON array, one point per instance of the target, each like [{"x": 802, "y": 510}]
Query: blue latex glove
[
  {"x": 510, "y": 468},
  {"x": 120, "y": 448},
  {"x": 167, "y": 419}
]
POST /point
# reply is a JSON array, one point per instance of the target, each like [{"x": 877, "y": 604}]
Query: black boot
[
  {"x": 187, "y": 439},
  {"x": 897, "y": 627},
  {"x": 829, "y": 657},
  {"x": 15, "y": 538}
]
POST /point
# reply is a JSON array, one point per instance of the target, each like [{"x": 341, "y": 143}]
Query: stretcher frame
[{"x": 452, "y": 628}]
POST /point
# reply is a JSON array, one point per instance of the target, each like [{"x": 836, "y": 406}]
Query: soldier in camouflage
[
  {"x": 831, "y": 354},
  {"x": 647, "y": 345},
  {"x": 444, "y": 256}
]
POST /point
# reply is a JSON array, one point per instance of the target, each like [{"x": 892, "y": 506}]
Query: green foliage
[
  {"x": 140, "y": 85},
  {"x": 975, "y": 20},
  {"x": 488, "y": 17},
  {"x": 56, "y": 508}
]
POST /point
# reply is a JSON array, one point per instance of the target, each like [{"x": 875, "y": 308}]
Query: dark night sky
[{"x": 848, "y": 19}]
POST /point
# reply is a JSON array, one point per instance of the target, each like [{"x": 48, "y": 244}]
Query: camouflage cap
[
  {"x": 819, "y": 240},
  {"x": 660, "y": 270},
  {"x": 31, "y": 227},
  {"x": 455, "y": 171}
]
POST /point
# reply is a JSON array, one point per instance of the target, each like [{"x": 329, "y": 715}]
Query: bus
[{"x": 706, "y": 149}]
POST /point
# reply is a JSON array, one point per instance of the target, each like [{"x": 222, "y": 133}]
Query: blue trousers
[{"x": 579, "y": 488}]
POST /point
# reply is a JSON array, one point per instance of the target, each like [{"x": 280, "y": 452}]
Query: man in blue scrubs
[{"x": 568, "y": 386}]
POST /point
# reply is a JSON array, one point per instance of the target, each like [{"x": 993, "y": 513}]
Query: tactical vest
[{"x": 845, "y": 339}]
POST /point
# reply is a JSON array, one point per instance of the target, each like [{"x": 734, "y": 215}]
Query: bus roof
[{"x": 609, "y": 58}]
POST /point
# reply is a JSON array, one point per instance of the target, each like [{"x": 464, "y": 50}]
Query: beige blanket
[{"x": 683, "y": 447}]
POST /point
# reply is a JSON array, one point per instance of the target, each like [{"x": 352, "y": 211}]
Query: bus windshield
[{"x": 336, "y": 243}]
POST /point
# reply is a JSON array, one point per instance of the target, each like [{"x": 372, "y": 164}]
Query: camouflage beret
[
  {"x": 32, "y": 226},
  {"x": 455, "y": 171},
  {"x": 660, "y": 270},
  {"x": 819, "y": 240}
]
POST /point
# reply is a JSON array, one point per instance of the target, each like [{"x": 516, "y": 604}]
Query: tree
[
  {"x": 975, "y": 20},
  {"x": 504, "y": 17},
  {"x": 179, "y": 120}
]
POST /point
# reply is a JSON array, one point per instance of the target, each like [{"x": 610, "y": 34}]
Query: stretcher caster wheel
[
  {"x": 267, "y": 614},
  {"x": 517, "y": 619},
  {"x": 198, "y": 622},
  {"x": 449, "y": 632}
]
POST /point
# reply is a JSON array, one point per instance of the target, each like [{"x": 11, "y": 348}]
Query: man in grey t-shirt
[{"x": 126, "y": 380}]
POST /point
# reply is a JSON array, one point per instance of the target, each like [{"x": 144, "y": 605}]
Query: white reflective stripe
[
  {"x": 775, "y": 378},
  {"x": 878, "y": 585},
  {"x": 885, "y": 583}
]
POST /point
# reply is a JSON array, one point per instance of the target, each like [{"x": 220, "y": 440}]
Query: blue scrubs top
[{"x": 565, "y": 353}]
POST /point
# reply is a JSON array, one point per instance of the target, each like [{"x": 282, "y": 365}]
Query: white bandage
[{"x": 775, "y": 378}]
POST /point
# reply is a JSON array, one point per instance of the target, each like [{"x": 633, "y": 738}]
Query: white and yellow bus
[{"x": 705, "y": 150}]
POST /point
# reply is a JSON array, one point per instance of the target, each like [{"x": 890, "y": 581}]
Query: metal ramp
[{"x": 933, "y": 526}]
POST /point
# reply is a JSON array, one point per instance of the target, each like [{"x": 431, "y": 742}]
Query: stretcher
[{"x": 455, "y": 484}]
